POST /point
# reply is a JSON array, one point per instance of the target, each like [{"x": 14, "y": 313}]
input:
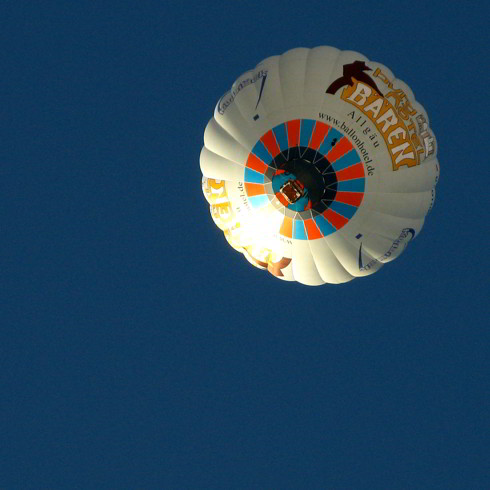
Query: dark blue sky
[{"x": 138, "y": 350}]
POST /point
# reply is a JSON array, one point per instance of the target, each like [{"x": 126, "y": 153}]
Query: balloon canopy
[{"x": 319, "y": 165}]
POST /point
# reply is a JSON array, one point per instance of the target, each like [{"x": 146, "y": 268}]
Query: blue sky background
[{"x": 138, "y": 350}]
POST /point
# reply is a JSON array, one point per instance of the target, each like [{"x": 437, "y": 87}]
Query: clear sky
[{"x": 138, "y": 350}]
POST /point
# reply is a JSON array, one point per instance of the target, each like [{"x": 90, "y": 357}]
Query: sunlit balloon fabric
[{"x": 319, "y": 165}]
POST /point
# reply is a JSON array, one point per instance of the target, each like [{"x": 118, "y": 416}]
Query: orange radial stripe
[
  {"x": 352, "y": 198},
  {"x": 256, "y": 163},
  {"x": 270, "y": 143},
  {"x": 337, "y": 220},
  {"x": 287, "y": 227},
  {"x": 321, "y": 129},
  {"x": 293, "y": 132},
  {"x": 312, "y": 230},
  {"x": 353, "y": 172},
  {"x": 254, "y": 189},
  {"x": 341, "y": 148}
]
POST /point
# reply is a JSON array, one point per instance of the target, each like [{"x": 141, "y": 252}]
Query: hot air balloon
[{"x": 319, "y": 165}]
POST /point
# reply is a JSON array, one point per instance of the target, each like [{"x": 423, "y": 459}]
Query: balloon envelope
[{"x": 319, "y": 165}]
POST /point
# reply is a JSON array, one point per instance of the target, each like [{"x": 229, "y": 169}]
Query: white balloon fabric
[{"x": 319, "y": 165}]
